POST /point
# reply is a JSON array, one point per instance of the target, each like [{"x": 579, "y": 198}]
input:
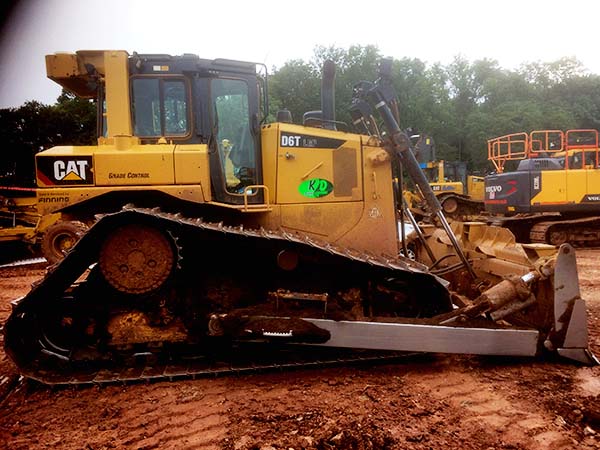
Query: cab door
[{"x": 234, "y": 149}]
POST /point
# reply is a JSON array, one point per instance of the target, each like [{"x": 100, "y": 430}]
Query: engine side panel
[
  {"x": 573, "y": 191},
  {"x": 71, "y": 176},
  {"x": 509, "y": 192}
]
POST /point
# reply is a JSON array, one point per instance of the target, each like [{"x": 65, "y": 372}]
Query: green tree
[
  {"x": 462, "y": 104},
  {"x": 296, "y": 87},
  {"x": 545, "y": 75},
  {"x": 297, "y": 84},
  {"x": 78, "y": 119},
  {"x": 28, "y": 129},
  {"x": 580, "y": 96},
  {"x": 353, "y": 65}
]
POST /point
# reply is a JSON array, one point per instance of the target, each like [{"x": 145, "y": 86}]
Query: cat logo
[
  {"x": 53, "y": 171},
  {"x": 70, "y": 170}
]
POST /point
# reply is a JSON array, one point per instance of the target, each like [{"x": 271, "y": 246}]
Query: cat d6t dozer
[{"x": 286, "y": 248}]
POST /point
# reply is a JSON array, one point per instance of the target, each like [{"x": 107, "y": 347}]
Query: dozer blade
[
  {"x": 568, "y": 337},
  {"x": 570, "y": 334},
  {"x": 430, "y": 338}
]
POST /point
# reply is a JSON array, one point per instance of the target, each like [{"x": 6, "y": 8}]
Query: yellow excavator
[
  {"x": 546, "y": 186},
  {"x": 222, "y": 242}
]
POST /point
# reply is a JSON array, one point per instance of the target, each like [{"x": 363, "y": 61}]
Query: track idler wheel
[
  {"x": 558, "y": 236},
  {"x": 450, "y": 205},
  {"x": 137, "y": 259}
]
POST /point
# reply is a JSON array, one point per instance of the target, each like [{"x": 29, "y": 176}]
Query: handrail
[
  {"x": 549, "y": 143},
  {"x": 585, "y": 138},
  {"x": 248, "y": 190},
  {"x": 507, "y": 148}
]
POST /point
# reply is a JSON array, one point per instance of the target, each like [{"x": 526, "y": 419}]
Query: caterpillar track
[
  {"x": 583, "y": 232},
  {"x": 90, "y": 317},
  {"x": 150, "y": 295},
  {"x": 245, "y": 360},
  {"x": 551, "y": 228},
  {"x": 460, "y": 207}
]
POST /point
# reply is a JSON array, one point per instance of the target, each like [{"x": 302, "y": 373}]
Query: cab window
[
  {"x": 160, "y": 107},
  {"x": 234, "y": 139}
]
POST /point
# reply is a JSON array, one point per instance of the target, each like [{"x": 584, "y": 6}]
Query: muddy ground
[{"x": 427, "y": 402}]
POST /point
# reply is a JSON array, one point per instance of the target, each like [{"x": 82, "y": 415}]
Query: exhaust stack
[{"x": 328, "y": 95}]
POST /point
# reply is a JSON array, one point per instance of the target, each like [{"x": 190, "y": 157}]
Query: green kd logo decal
[{"x": 315, "y": 188}]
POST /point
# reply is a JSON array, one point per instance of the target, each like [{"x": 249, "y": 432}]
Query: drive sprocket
[{"x": 137, "y": 259}]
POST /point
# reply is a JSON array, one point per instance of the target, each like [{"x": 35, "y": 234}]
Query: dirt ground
[{"x": 428, "y": 402}]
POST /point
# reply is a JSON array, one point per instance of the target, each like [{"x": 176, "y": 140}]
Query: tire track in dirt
[
  {"x": 191, "y": 416},
  {"x": 185, "y": 415},
  {"x": 498, "y": 408}
]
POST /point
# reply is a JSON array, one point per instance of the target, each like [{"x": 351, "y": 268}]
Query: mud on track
[{"x": 428, "y": 402}]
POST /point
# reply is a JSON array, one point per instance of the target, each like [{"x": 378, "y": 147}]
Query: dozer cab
[{"x": 239, "y": 237}]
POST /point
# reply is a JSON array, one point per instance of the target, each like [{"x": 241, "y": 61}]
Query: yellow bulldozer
[
  {"x": 221, "y": 238},
  {"x": 460, "y": 194}
]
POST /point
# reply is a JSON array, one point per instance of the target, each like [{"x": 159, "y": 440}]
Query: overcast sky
[{"x": 272, "y": 32}]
